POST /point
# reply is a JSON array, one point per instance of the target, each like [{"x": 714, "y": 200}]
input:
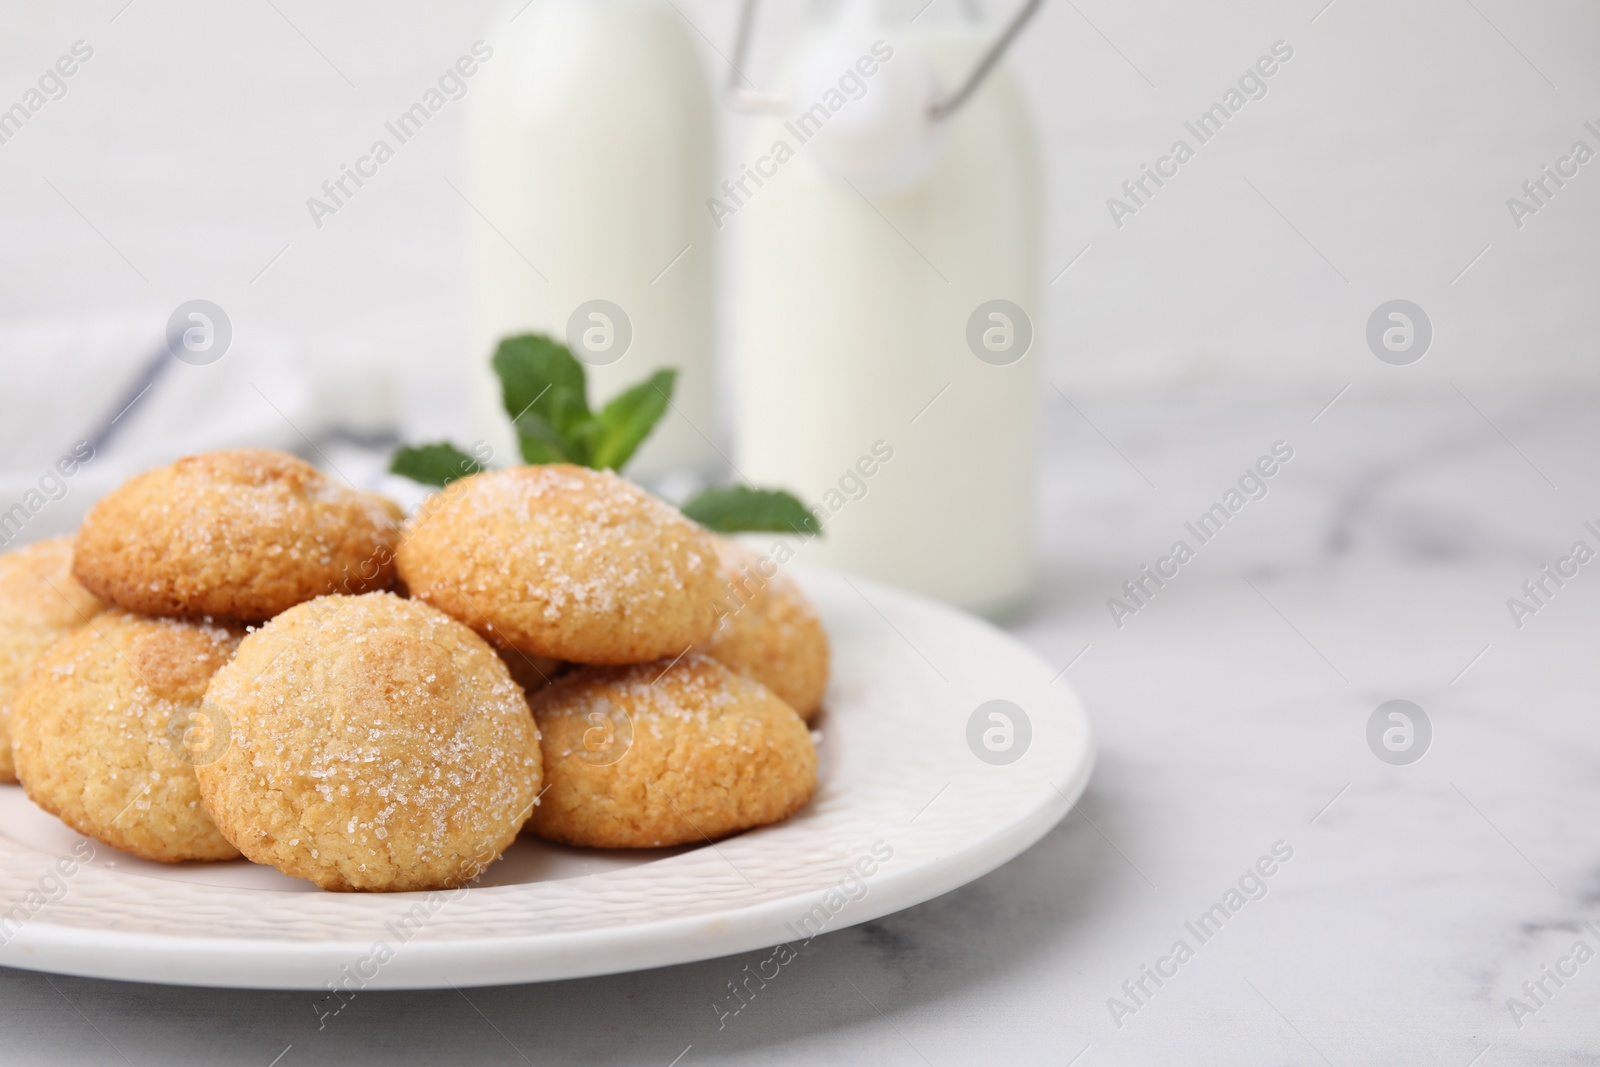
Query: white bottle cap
[{"x": 877, "y": 130}]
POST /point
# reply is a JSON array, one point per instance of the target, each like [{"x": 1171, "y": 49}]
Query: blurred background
[
  {"x": 1379, "y": 165},
  {"x": 185, "y": 158}
]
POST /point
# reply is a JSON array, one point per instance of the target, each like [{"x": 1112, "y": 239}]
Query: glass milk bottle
[
  {"x": 886, "y": 293},
  {"x": 589, "y": 156}
]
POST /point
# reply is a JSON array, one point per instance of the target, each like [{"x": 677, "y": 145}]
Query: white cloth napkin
[{"x": 69, "y": 387}]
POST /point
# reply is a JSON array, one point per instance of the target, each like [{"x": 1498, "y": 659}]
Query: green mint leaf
[
  {"x": 741, "y": 509},
  {"x": 629, "y": 417},
  {"x": 539, "y": 377},
  {"x": 438, "y": 464},
  {"x": 538, "y": 440}
]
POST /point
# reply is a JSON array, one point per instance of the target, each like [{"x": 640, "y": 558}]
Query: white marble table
[{"x": 1232, "y": 713}]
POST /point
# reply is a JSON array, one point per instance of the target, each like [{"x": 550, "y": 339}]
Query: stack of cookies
[{"x": 238, "y": 655}]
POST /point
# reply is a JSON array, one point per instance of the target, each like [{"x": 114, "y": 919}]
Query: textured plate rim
[{"x": 494, "y": 962}]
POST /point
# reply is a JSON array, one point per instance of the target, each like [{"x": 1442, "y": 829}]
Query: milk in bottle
[
  {"x": 885, "y": 294},
  {"x": 589, "y": 157}
]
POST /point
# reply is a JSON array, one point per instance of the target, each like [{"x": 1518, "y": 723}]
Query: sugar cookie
[
  {"x": 667, "y": 753},
  {"x": 40, "y": 603},
  {"x": 377, "y": 744},
  {"x": 564, "y": 562},
  {"x": 241, "y": 534},
  {"x": 769, "y": 631},
  {"x": 104, "y": 733}
]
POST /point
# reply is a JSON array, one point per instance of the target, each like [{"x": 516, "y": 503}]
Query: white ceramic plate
[{"x": 905, "y": 811}]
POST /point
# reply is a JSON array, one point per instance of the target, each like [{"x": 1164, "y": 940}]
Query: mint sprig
[
  {"x": 545, "y": 392},
  {"x": 438, "y": 464},
  {"x": 740, "y": 509},
  {"x": 629, "y": 417}
]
